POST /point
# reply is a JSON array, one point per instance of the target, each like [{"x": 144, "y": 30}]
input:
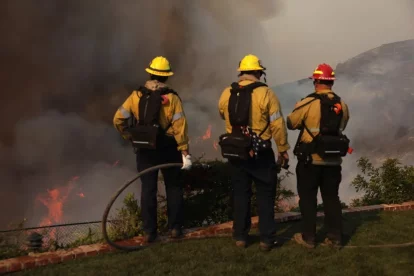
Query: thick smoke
[{"x": 68, "y": 65}]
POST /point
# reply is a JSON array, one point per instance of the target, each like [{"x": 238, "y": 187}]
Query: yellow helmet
[
  {"x": 250, "y": 63},
  {"x": 160, "y": 66}
]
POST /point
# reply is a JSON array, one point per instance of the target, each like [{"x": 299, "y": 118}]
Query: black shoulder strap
[
  {"x": 144, "y": 90},
  {"x": 251, "y": 87},
  {"x": 266, "y": 127},
  {"x": 315, "y": 97},
  {"x": 336, "y": 97},
  {"x": 255, "y": 85},
  {"x": 234, "y": 86}
]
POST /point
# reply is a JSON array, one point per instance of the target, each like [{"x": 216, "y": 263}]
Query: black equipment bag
[
  {"x": 147, "y": 133},
  {"x": 326, "y": 145},
  {"x": 144, "y": 137},
  {"x": 237, "y": 145}
]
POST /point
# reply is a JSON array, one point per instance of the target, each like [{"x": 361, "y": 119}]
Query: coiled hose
[
  {"x": 170, "y": 165},
  {"x": 116, "y": 195}
]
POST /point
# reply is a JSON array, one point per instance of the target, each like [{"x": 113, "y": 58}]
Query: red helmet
[{"x": 323, "y": 72}]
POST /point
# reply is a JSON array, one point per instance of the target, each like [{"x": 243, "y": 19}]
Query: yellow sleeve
[
  {"x": 222, "y": 104},
  {"x": 179, "y": 124},
  {"x": 294, "y": 119},
  {"x": 122, "y": 115},
  {"x": 277, "y": 123},
  {"x": 345, "y": 118}
]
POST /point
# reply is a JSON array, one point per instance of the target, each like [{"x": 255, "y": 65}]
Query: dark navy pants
[
  {"x": 174, "y": 190},
  {"x": 327, "y": 178},
  {"x": 263, "y": 172}
]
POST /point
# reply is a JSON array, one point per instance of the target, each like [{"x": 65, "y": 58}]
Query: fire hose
[
  {"x": 114, "y": 198},
  {"x": 170, "y": 165}
]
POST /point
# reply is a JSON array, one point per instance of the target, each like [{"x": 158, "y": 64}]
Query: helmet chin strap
[{"x": 264, "y": 73}]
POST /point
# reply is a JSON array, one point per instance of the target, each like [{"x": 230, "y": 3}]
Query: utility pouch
[
  {"x": 144, "y": 137},
  {"x": 235, "y": 146},
  {"x": 328, "y": 146},
  {"x": 304, "y": 150}
]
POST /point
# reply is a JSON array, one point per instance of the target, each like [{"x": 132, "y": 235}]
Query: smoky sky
[
  {"x": 307, "y": 33},
  {"x": 66, "y": 66}
]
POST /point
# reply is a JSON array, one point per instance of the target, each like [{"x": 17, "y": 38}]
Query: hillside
[{"x": 378, "y": 86}]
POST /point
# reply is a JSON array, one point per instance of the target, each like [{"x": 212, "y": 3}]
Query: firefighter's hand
[
  {"x": 186, "y": 162},
  {"x": 283, "y": 159},
  {"x": 127, "y": 136}
]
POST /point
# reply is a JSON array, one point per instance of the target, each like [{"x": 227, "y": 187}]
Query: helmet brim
[
  {"x": 251, "y": 69},
  {"x": 321, "y": 78},
  {"x": 159, "y": 73}
]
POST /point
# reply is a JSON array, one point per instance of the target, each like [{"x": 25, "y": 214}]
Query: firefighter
[
  {"x": 321, "y": 118},
  {"x": 253, "y": 116},
  {"x": 159, "y": 136}
]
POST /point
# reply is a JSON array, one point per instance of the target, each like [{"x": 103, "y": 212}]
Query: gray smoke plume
[{"x": 68, "y": 65}]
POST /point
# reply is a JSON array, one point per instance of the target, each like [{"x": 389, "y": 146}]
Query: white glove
[{"x": 186, "y": 162}]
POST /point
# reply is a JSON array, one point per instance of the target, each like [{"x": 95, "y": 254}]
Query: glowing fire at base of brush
[
  {"x": 54, "y": 200},
  {"x": 206, "y": 136},
  {"x": 288, "y": 205}
]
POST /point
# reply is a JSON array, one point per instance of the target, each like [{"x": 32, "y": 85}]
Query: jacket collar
[
  {"x": 248, "y": 78},
  {"x": 324, "y": 91},
  {"x": 154, "y": 85}
]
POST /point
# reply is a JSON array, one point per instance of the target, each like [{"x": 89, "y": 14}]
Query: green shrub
[
  {"x": 127, "y": 222},
  {"x": 208, "y": 196},
  {"x": 9, "y": 242},
  {"x": 83, "y": 239},
  {"x": 207, "y": 190},
  {"x": 390, "y": 183},
  {"x": 283, "y": 194}
]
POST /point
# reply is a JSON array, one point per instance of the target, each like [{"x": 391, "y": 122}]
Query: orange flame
[
  {"x": 54, "y": 203},
  {"x": 54, "y": 200},
  {"x": 285, "y": 205},
  {"x": 116, "y": 163},
  {"x": 207, "y": 135}
]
